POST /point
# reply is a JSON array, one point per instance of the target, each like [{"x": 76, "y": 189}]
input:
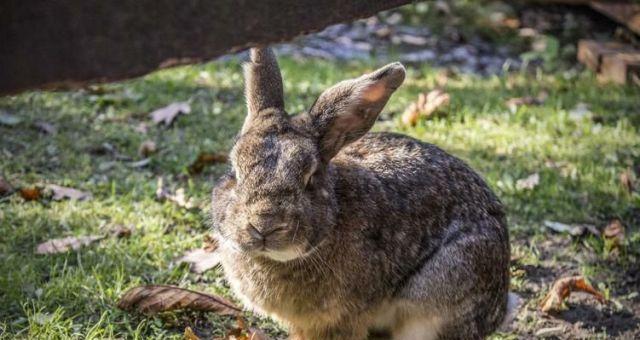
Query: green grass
[{"x": 73, "y": 295}]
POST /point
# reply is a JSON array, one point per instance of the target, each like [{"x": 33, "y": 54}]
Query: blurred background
[{"x": 104, "y": 187}]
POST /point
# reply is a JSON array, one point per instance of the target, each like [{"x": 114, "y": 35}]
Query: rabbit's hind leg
[{"x": 465, "y": 282}]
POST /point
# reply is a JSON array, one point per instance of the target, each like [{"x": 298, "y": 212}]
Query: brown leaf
[
  {"x": 189, "y": 334},
  {"x": 427, "y": 105},
  {"x": 169, "y": 113},
  {"x": 178, "y": 198},
  {"x": 60, "y": 193},
  {"x": 62, "y": 245},
  {"x": 210, "y": 243},
  {"x": 147, "y": 148},
  {"x": 200, "y": 260},
  {"x": 31, "y": 194},
  {"x": 614, "y": 234},
  {"x": 528, "y": 183},
  {"x": 626, "y": 180},
  {"x": 561, "y": 290},
  {"x": 152, "y": 299},
  {"x": 5, "y": 187},
  {"x": 121, "y": 231},
  {"x": 205, "y": 159}
]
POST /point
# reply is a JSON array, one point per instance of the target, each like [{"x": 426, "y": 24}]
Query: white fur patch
[
  {"x": 285, "y": 255},
  {"x": 419, "y": 329}
]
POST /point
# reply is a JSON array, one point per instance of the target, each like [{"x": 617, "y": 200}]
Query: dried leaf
[
  {"x": 572, "y": 229},
  {"x": 178, "y": 198},
  {"x": 169, "y": 113},
  {"x": 189, "y": 334},
  {"x": 139, "y": 164},
  {"x": 241, "y": 332},
  {"x": 60, "y": 193},
  {"x": 210, "y": 243},
  {"x": 5, "y": 187},
  {"x": 626, "y": 180},
  {"x": 121, "y": 231},
  {"x": 30, "y": 194},
  {"x": 614, "y": 234},
  {"x": 561, "y": 290},
  {"x": 514, "y": 103},
  {"x": 205, "y": 159},
  {"x": 200, "y": 260},
  {"x": 9, "y": 119},
  {"x": 426, "y": 106},
  {"x": 62, "y": 245},
  {"x": 529, "y": 182},
  {"x": 147, "y": 148},
  {"x": 152, "y": 299}
]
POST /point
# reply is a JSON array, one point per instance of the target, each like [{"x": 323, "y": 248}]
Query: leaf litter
[
  {"x": 427, "y": 105},
  {"x": 179, "y": 198},
  {"x": 152, "y": 299},
  {"x": 561, "y": 290},
  {"x": 63, "y": 245},
  {"x": 166, "y": 115},
  {"x": 202, "y": 259},
  {"x": 529, "y": 182}
]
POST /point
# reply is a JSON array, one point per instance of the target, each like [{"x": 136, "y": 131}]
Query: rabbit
[{"x": 339, "y": 233}]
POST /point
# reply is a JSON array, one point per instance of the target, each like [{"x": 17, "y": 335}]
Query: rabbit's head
[{"x": 279, "y": 202}]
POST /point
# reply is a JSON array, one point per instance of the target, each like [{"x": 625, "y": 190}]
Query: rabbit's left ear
[
  {"x": 263, "y": 85},
  {"x": 346, "y": 111}
]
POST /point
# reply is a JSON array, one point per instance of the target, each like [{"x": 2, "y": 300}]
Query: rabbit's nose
[{"x": 262, "y": 233}]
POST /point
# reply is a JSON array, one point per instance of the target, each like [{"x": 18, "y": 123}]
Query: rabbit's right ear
[{"x": 263, "y": 85}]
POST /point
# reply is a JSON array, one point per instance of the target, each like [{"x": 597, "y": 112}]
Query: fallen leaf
[
  {"x": 60, "y": 193},
  {"x": 514, "y": 103},
  {"x": 62, "y": 245},
  {"x": 147, "y": 148},
  {"x": 121, "y": 231},
  {"x": 9, "y": 119},
  {"x": 572, "y": 229},
  {"x": 210, "y": 243},
  {"x": 205, "y": 159},
  {"x": 626, "y": 180},
  {"x": 45, "y": 127},
  {"x": 189, "y": 334},
  {"x": 30, "y": 194},
  {"x": 426, "y": 106},
  {"x": 614, "y": 234},
  {"x": 169, "y": 113},
  {"x": 200, "y": 260},
  {"x": 528, "y": 183},
  {"x": 5, "y": 187},
  {"x": 561, "y": 290},
  {"x": 139, "y": 164},
  {"x": 241, "y": 332},
  {"x": 178, "y": 198},
  {"x": 152, "y": 299}
]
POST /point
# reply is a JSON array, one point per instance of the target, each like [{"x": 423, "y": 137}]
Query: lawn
[{"x": 578, "y": 153}]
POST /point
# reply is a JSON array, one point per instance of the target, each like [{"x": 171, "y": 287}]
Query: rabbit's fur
[{"x": 339, "y": 233}]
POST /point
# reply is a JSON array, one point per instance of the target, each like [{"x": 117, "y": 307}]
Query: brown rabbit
[{"x": 338, "y": 233}]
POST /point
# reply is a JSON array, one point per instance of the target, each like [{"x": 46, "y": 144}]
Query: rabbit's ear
[
  {"x": 263, "y": 84},
  {"x": 346, "y": 111}
]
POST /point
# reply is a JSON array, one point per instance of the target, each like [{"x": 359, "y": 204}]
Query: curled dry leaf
[
  {"x": 561, "y": 290},
  {"x": 178, "y": 198},
  {"x": 63, "y": 245},
  {"x": 31, "y": 194},
  {"x": 121, "y": 231},
  {"x": 204, "y": 159},
  {"x": 614, "y": 234},
  {"x": 189, "y": 334},
  {"x": 241, "y": 332},
  {"x": 147, "y": 148},
  {"x": 427, "y": 105},
  {"x": 166, "y": 115},
  {"x": 626, "y": 180},
  {"x": 60, "y": 193},
  {"x": 528, "y": 183},
  {"x": 514, "y": 103},
  {"x": 572, "y": 229},
  {"x": 200, "y": 260},
  {"x": 152, "y": 299}
]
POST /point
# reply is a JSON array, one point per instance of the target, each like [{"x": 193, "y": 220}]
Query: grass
[{"x": 73, "y": 295}]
